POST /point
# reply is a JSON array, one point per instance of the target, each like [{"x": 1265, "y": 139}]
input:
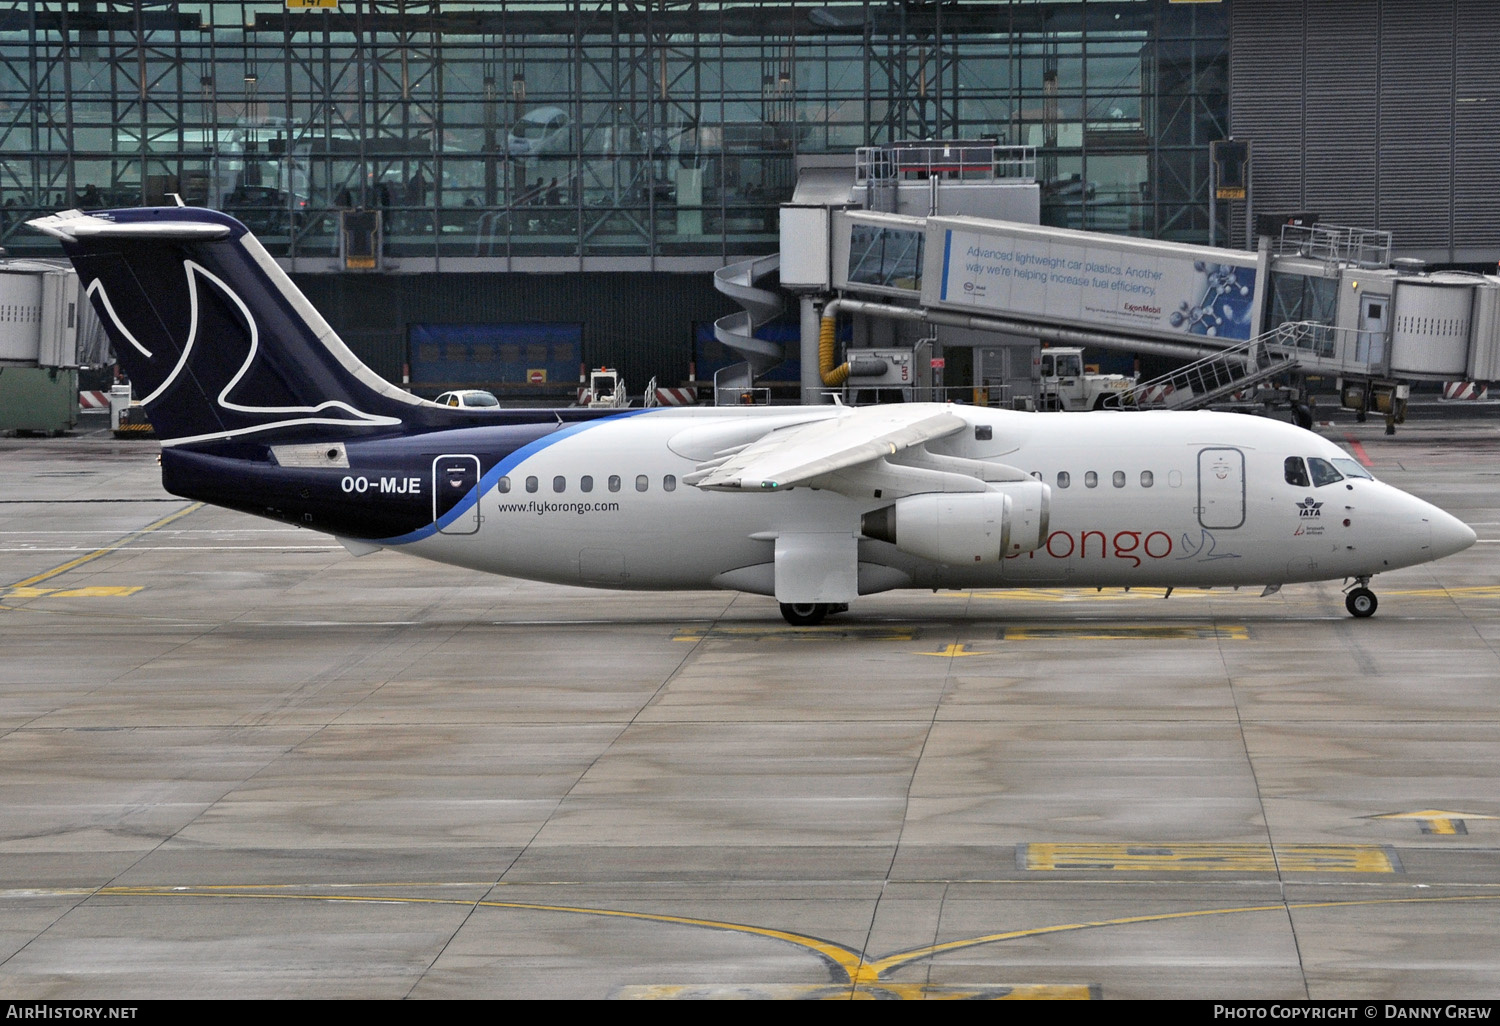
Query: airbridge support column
[{"x": 812, "y": 380}]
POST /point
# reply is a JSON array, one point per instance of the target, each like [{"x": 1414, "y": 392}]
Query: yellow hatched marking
[
  {"x": 1197, "y": 858},
  {"x": 862, "y": 992},
  {"x": 1128, "y": 632},
  {"x": 954, "y": 651},
  {"x": 1436, "y": 821}
]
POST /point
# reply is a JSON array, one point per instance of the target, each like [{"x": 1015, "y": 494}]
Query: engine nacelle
[{"x": 959, "y": 528}]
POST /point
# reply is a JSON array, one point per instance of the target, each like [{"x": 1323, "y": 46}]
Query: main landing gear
[
  {"x": 810, "y": 614},
  {"x": 1361, "y": 601}
]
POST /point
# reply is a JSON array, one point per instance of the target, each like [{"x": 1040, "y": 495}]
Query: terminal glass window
[{"x": 542, "y": 129}]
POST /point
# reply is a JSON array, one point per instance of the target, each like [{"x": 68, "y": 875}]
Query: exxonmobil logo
[{"x": 1142, "y": 308}]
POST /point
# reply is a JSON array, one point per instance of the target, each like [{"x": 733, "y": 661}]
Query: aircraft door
[
  {"x": 454, "y": 478},
  {"x": 1374, "y": 321},
  {"x": 1221, "y": 488}
]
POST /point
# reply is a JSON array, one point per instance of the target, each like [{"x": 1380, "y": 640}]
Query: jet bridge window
[
  {"x": 1322, "y": 472},
  {"x": 886, "y": 257},
  {"x": 1296, "y": 472}
]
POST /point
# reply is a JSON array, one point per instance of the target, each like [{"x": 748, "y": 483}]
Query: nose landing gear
[{"x": 1361, "y": 601}]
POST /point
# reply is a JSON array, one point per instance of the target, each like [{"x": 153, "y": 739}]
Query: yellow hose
[{"x": 833, "y": 376}]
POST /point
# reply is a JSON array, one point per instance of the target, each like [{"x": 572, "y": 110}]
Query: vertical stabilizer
[{"x": 217, "y": 341}]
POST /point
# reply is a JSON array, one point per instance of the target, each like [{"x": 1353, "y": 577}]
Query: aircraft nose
[{"x": 1449, "y": 534}]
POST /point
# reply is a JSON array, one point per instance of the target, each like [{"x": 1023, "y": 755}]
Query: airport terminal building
[{"x": 473, "y": 192}]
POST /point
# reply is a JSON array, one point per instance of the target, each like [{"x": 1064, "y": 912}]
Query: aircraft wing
[{"x": 797, "y": 455}]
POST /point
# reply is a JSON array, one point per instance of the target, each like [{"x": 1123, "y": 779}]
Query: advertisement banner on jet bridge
[{"x": 1093, "y": 280}]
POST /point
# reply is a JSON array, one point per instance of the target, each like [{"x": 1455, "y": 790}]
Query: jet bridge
[
  {"x": 1057, "y": 284},
  {"x": 914, "y": 237}
]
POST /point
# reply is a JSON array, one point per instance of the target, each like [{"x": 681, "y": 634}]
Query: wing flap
[{"x": 794, "y": 455}]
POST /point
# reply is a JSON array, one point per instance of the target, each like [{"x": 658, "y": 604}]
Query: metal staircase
[
  {"x": 737, "y": 330},
  {"x": 1224, "y": 375}
]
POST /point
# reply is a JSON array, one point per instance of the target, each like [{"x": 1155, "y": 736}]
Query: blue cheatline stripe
[
  {"x": 499, "y": 470},
  {"x": 947, "y": 249}
]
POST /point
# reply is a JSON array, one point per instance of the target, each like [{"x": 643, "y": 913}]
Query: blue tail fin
[{"x": 216, "y": 339}]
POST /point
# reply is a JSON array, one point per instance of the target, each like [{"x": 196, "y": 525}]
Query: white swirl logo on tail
[{"x": 194, "y": 272}]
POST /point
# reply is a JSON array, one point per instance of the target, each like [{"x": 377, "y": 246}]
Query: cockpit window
[
  {"x": 1322, "y": 472},
  {"x": 1296, "y": 472},
  {"x": 1353, "y": 469}
]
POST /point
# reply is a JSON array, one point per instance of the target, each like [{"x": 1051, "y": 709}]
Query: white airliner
[{"x": 261, "y": 408}]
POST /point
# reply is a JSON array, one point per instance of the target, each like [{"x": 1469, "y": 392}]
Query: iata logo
[{"x": 1309, "y": 508}]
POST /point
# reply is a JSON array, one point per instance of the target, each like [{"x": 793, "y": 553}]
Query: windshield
[
  {"x": 1322, "y": 472},
  {"x": 1353, "y": 469}
]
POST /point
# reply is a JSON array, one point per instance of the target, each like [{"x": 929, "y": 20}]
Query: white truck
[{"x": 1064, "y": 386}]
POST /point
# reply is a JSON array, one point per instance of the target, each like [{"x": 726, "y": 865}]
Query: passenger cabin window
[
  {"x": 614, "y": 482},
  {"x": 585, "y": 483},
  {"x": 1147, "y": 479},
  {"x": 642, "y": 482},
  {"x": 559, "y": 483},
  {"x": 983, "y": 432},
  {"x": 669, "y": 483},
  {"x": 1322, "y": 472},
  {"x": 1063, "y": 479},
  {"x": 1296, "y": 472},
  {"x": 1118, "y": 479},
  {"x": 531, "y": 484},
  {"x": 502, "y": 485},
  {"x": 1091, "y": 480}
]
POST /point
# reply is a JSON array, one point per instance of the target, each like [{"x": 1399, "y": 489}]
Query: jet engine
[{"x": 959, "y": 528}]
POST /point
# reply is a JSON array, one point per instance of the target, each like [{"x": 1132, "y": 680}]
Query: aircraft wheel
[
  {"x": 804, "y": 614},
  {"x": 1361, "y": 602}
]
